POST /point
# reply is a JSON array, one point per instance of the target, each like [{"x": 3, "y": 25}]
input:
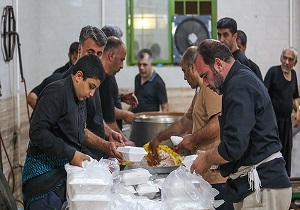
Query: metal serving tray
[{"x": 154, "y": 169}]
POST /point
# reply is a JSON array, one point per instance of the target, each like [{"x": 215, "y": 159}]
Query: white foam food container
[
  {"x": 88, "y": 186},
  {"x": 135, "y": 176},
  {"x": 122, "y": 189},
  {"x": 188, "y": 161},
  {"x": 149, "y": 190},
  {"x": 159, "y": 182},
  {"x": 176, "y": 139},
  {"x": 132, "y": 154},
  {"x": 90, "y": 202}
]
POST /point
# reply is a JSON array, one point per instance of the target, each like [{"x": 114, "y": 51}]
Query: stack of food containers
[
  {"x": 89, "y": 187},
  {"x": 137, "y": 177}
]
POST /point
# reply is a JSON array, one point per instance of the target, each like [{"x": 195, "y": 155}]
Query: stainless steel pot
[{"x": 148, "y": 124}]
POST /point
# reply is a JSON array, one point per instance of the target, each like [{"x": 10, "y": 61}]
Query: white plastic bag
[
  {"x": 130, "y": 202},
  {"x": 89, "y": 187},
  {"x": 183, "y": 190}
]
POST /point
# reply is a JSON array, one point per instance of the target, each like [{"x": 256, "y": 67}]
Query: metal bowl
[{"x": 148, "y": 124}]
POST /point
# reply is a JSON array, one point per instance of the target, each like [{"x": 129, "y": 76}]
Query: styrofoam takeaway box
[
  {"x": 176, "y": 139},
  {"x": 188, "y": 161},
  {"x": 88, "y": 186},
  {"x": 135, "y": 176},
  {"x": 132, "y": 154},
  {"x": 149, "y": 190},
  {"x": 90, "y": 202}
]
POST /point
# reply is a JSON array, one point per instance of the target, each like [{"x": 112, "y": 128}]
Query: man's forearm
[
  {"x": 214, "y": 158},
  {"x": 107, "y": 130},
  {"x": 164, "y": 107},
  {"x": 115, "y": 128},
  {"x": 94, "y": 141},
  {"x": 31, "y": 99}
]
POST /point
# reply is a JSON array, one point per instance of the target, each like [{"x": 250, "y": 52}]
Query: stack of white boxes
[
  {"x": 89, "y": 188},
  {"x": 140, "y": 177},
  {"x": 88, "y": 194}
]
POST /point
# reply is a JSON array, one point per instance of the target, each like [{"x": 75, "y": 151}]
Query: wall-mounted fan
[{"x": 188, "y": 31}]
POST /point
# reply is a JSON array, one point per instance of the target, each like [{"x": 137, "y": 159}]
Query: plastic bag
[
  {"x": 89, "y": 187},
  {"x": 114, "y": 168},
  {"x": 183, "y": 190},
  {"x": 131, "y": 202}
]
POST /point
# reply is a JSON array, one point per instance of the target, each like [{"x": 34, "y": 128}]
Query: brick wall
[{"x": 15, "y": 150}]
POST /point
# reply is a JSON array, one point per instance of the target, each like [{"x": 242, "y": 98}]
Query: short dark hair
[
  {"x": 190, "y": 55},
  {"x": 242, "y": 36},
  {"x": 144, "y": 51},
  {"x": 229, "y": 23},
  {"x": 73, "y": 47},
  {"x": 112, "y": 30},
  {"x": 210, "y": 49},
  {"x": 91, "y": 67},
  {"x": 92, "y": 32},
  {"x": 112, "y": 43}
]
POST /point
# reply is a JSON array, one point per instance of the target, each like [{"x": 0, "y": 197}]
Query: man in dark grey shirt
[{"x": 249, "y": 151}]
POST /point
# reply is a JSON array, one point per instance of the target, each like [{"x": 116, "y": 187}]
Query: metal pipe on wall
[
  {"x": 18, "y": 99},
  {"x": 291, "y": 22},
  {"x": 102, "y": 13}
]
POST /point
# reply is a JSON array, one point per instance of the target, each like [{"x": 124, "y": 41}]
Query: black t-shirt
[
  {"x": 255, "y": 69},
  {"x": 117, "y": 100},
  {"x": 240, "y": 56},
  {"x": 151, "y": 94},
  {"x": 281, "y": 91},
  {"x": 63, "y": 69},
  {"x": 106, "y": 91},
  {"x": 53, "y": 77}
]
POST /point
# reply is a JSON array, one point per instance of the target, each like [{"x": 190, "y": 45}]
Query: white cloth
[{"x": 251, "y": 171}]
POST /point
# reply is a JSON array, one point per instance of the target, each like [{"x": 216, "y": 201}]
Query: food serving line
[
  {"x": 101, "y": 185},
  {"x": 141, "y": 184}
]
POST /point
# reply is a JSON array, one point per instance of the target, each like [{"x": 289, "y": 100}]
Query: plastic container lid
[
  {"x": 132, "y": 154},
  {"x": 88, "y": 186},
  {"x": 135, "y": 176},
  {"x": 91, "y": 202},
  {"x": 148, "y": 190},
  {"x": 188, "y": 161},
  {"x": 176, "y": 139}
]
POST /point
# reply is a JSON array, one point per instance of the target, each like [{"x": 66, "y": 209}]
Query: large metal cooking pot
[{"x": 148, "y": 124}]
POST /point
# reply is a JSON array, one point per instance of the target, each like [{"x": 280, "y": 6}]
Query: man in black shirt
[
  {"x": 113, "y": 57},
  {"x": 282, "y": 85},
  {"x": 249, "y": 151},
  {"x": 57, "y": 74},
  {"x": 129, "y": 98},
  {"x": 227, "y": 34},
  {"x": 72, "y": 54},
  {"x": 91, "y": 41},
  {"x": 242, "y": 44},
  {"x": 149, "y": 87}
]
